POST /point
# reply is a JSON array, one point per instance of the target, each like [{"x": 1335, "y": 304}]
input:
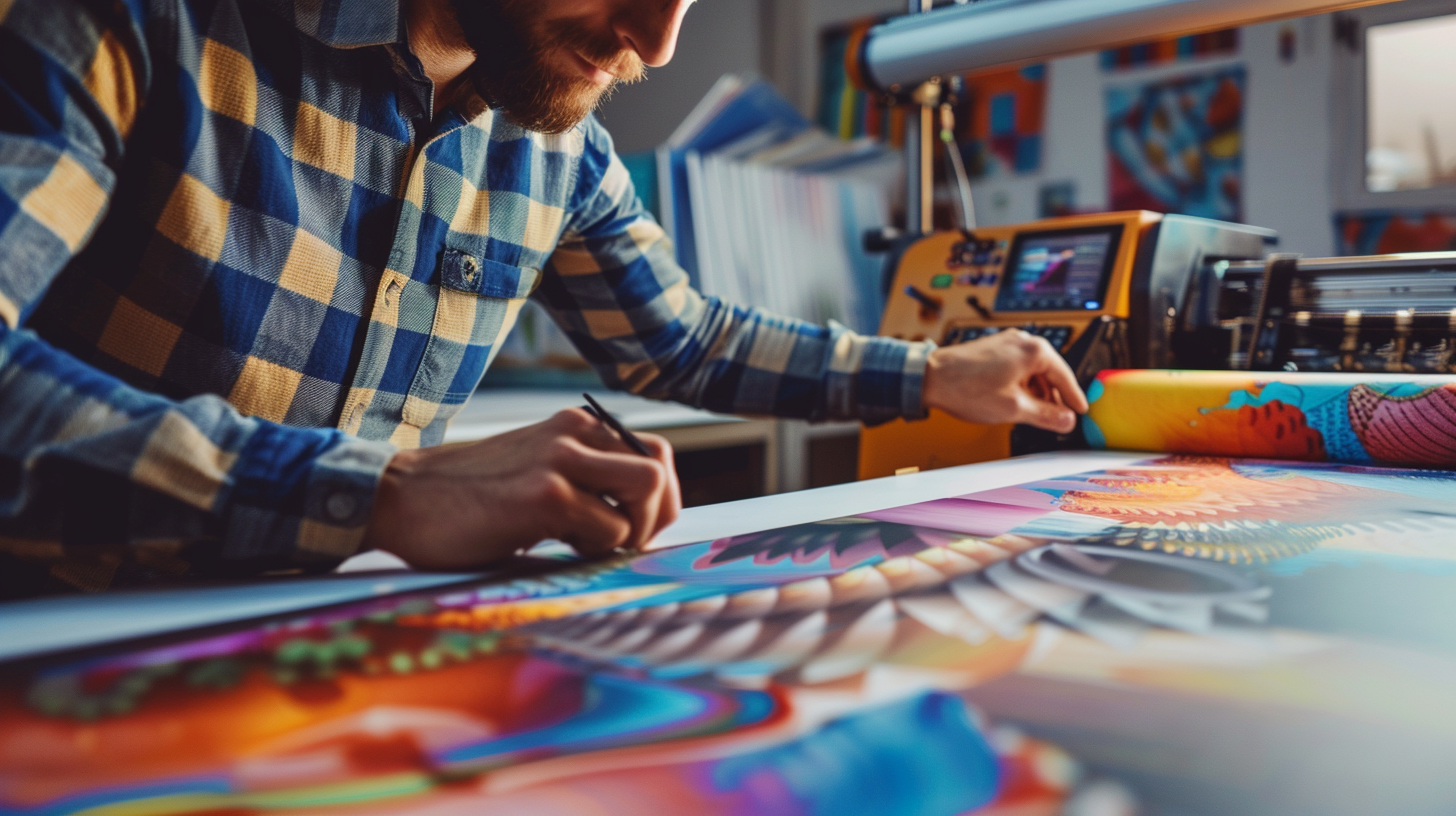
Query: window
[
  {"x": 1394, "y": 107},
  {"x": 1410, "y": 104}
]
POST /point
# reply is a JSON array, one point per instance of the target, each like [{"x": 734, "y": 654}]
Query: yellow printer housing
[{"x": 1105, "y": 290}]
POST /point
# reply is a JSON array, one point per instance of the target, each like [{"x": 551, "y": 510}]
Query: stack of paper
[{"x": 767, "y": 211}]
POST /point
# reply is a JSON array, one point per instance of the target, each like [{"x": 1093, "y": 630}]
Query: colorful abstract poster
[
  {"x": 1405, "y": 420},
  {"x": 844, "y": 109},
  {"x": 1001, "y": 120},
  {"x": 999, "y": 114},
  {"x": 1176, "y": 145},
  {"x": 1387, "y": 233},
  {"x": 1174, "y": 635},
  {"x": 1171, "y": 49}
]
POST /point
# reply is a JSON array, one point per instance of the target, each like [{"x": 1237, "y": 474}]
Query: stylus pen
[{"x": 616, "y": 425}]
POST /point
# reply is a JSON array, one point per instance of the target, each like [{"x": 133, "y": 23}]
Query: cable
[{"x": 958, "y": 167}]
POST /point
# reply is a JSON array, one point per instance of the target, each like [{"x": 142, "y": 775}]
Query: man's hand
[
  {"x": 1007, "y": 377},
  {"x": 464, "y": 505}
]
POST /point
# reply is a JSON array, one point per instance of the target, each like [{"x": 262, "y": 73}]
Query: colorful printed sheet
[
  {"x": 1190, "y": 635},
  {"x": 1406, "y": 420}
]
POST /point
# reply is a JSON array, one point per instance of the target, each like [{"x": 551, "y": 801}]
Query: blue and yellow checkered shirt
[{"x": 240, "y": 263}]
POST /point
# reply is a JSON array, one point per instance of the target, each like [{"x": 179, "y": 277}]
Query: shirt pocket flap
[{"x": 474, "y": 275}]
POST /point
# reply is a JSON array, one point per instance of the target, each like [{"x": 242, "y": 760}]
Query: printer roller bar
[{"x": 909, "y": 50}]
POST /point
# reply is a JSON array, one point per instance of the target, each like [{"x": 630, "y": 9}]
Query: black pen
[{"x": 595, "y": 408}]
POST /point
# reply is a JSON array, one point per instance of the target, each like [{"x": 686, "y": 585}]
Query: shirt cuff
[
  {"x": 302, "y": 496},
  {"x": 341, "y": 498},
  {"x": 912, "y": 384},
  {"x": 877, "y": 379}
]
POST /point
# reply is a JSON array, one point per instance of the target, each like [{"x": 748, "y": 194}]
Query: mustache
[
  {"x": 603, "y": 52},
  {"x": 628, "y": 67}
]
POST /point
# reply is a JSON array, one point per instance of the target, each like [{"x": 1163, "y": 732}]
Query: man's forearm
[
  {"x": 95, "y": 469},
  {"x": 768, "y": 364},
  {"x": 877, "y": 379},
  {"x": 709, "y": 354}
]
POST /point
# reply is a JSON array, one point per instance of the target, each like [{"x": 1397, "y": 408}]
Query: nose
[{"x": 650, "y": 27}]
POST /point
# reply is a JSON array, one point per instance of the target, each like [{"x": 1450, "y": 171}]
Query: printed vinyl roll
[{"x": 1385, "y": 419}]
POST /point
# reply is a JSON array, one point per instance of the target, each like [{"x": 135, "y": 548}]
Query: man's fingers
[
  {"x": 1045, "y": 414},
  {"x": 596, "y": 460},
  {"x": 1060, "y": 376},
  {"x": 624, "y": 475},
  {"x": 637, "y": 483},
  {"x": 591, "y": 526},
  {"x": 672, "y": 497}
]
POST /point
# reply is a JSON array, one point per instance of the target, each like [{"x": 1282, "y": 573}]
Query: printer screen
[{"x": 1059, "y": 270}]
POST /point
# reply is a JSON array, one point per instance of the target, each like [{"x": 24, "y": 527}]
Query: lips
[{"x": 593, "y": 73}]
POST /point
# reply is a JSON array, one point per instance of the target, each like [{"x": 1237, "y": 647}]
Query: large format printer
[{"x": 1145, "y": 290}]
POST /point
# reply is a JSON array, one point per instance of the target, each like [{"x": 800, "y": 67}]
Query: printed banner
[
  {"x": 1387, "y": 233},
  {"x": 1176, "y": 146},
  {"x": 1001, "y": 121},
  {"x": 1407, "y": 420},
  {"x": 1172, "y": 49}
]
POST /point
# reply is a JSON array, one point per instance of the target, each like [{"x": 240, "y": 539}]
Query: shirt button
[
  {"x": 470, "y": 267},
  {"x": 354, "y": 414},
  {"x": 340, "y": 506}
]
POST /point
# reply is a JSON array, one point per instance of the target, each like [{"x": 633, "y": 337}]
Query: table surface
[
  {"x": 39, "y": 626},
  {"x": 495, "y": 411}
]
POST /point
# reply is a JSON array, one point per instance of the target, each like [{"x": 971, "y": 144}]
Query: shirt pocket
[{"x": 478, "y": 303}]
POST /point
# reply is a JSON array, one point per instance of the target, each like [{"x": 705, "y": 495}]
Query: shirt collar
[
  {"x": 360, "y": 23},
  {"x": 346, "y": 23}
]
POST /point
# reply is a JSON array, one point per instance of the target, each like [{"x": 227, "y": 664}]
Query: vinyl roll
[{"x": 1356, "y": 418}]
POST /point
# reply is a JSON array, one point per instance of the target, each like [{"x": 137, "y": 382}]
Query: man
[{"x": 255, "y": 253}]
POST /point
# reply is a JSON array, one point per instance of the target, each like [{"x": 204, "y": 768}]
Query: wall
[
  {"x": 1287, "y": 150},
  {"x": 1287, "y": 146},
  {"x": 717, "y": 38}
]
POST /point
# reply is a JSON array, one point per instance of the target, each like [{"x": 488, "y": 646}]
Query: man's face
[{"x": 547, "y": 63}]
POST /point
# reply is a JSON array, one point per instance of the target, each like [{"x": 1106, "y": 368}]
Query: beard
[{"x": 523, "y": 64}]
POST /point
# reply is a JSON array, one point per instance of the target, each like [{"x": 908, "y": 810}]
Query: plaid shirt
[{"x": 240, "y": 263}]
